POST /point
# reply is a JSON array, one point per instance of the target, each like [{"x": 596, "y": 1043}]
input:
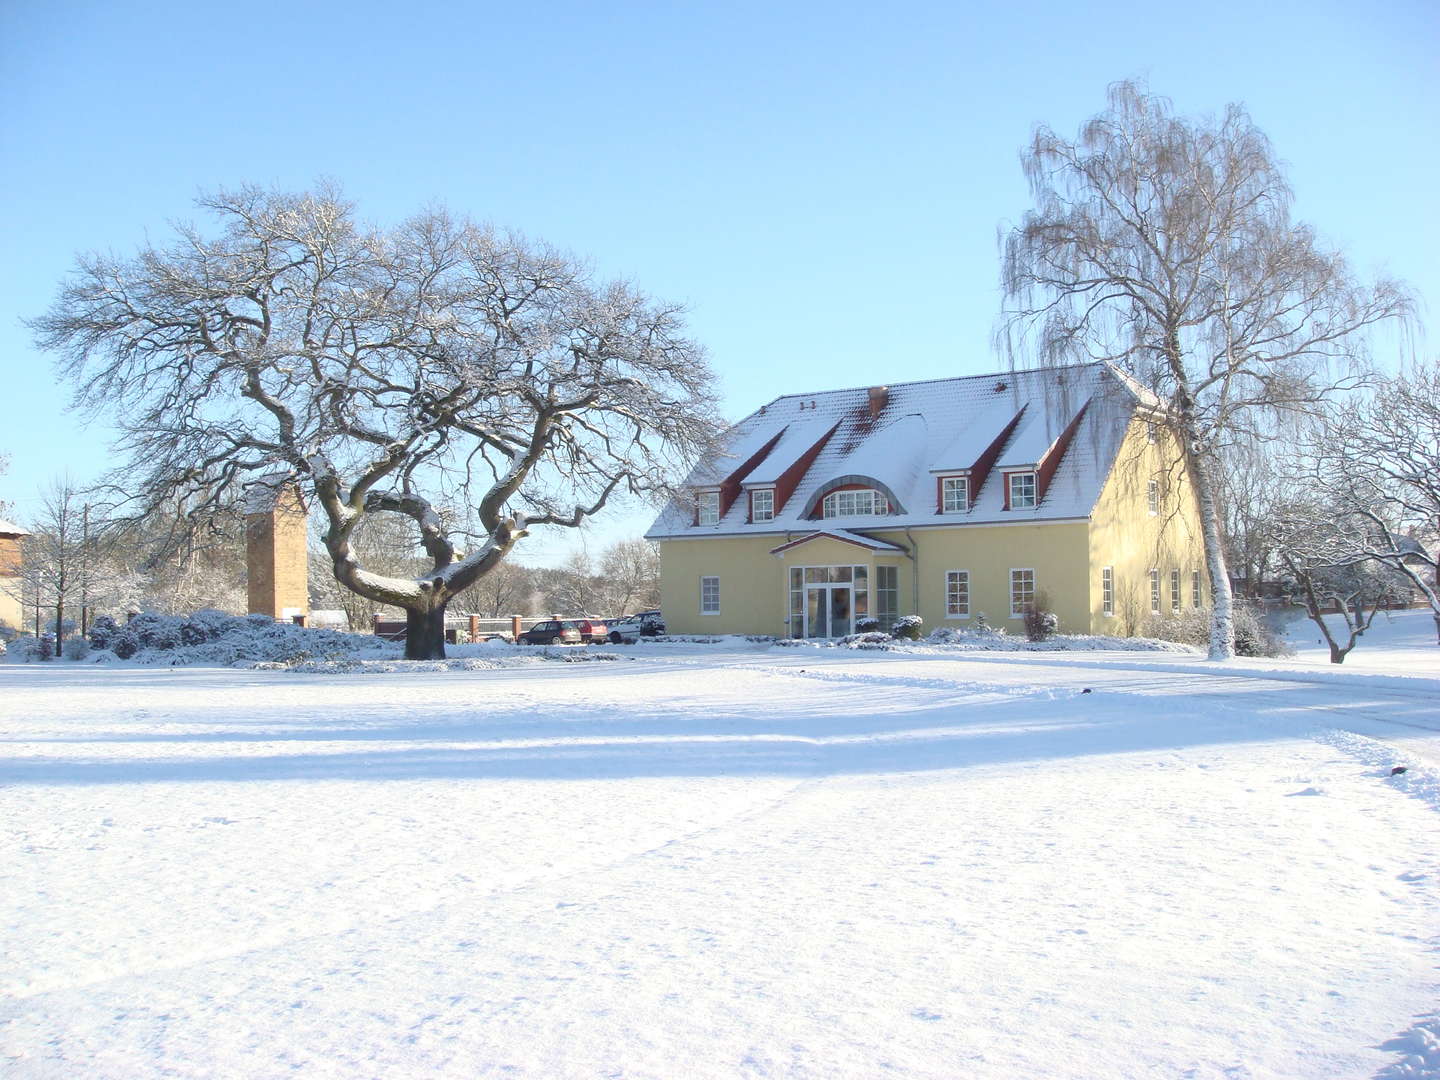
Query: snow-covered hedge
[{"x": 215, "y": 638}]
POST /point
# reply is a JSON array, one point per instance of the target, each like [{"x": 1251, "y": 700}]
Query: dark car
[
  {"x": 551, "y": 632},
  {"x": 592, "y": 631}
]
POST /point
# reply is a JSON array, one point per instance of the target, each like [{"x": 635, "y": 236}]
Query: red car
[{"x": 593, "y": 631}]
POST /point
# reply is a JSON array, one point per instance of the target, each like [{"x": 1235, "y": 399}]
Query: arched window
[{"x": 853, "y": 503}]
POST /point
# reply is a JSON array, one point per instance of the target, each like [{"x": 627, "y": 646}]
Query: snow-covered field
[{"x": 732, "y": 860}]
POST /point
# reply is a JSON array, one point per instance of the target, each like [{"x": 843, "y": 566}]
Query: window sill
[{"x": 957, "y": 618}]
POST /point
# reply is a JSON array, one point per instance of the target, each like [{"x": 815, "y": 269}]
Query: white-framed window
[
  {"x": 957, "y": 594},
  {"x": 1152, "y": 432},
  {"x": 707, "y": 507},
  {"x": 1107, "y": 590},
  {"x": 710, "y": 595},
  {"x": 1154, "y": 592},
  {"x": 1022, "y": 592},
  {"x": 1152, "y": 497},
  {"x": 854, "y": 503},
  {"x": 1195, "y": 589},
  {"x": 1022, "y": 490},
  {"x": 955, "y": 494},
  {"x": 762, "y": 504},
  {"x": 1175, "y": 592},
  {"x": 887, "y": 595}
]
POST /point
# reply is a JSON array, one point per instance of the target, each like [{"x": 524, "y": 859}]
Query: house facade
[
  {"x": 954, "y": 499},
  {"x": 11, "y": 613}
]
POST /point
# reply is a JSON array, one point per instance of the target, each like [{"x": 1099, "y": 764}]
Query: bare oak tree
[
  {"x": 1313, "y": 542},
  {"x": 1165, "y": 246},
  {"x": 437, "y": 370}
]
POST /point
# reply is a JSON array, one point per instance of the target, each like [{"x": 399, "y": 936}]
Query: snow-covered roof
[
  {"x": 9, "y": 528},
  {"x": 844, "y": 535},
  {"x": 920, "y": 429}
]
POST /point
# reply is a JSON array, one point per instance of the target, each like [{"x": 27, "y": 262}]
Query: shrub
[
  {"x": 102, "y": 630},
  {"x": 75, "y": 647},
  {"x": 125, "y": 644},
  {"x": 1040, "y": 623},
  {"x": 908, "y": 628},
  {"x": 1253, "y": 635},
  {"x": 156, "y": 631},
  {"x": 867, "y": 624}
]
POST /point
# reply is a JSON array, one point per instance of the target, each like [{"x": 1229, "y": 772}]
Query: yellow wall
[
  {"x": 754, "y": 596},
  {"x": 1057, "y": 552},
  {"x": 1126, "y": 536},
  {"x": 752, "y": 591}
]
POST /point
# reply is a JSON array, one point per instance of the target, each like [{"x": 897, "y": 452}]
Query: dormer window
[
  {"x": 707, "y": 507},
  {"x": 862, "y": 502},
  {"x": 1021, "y": 491},
  {"x": 954, "y": 494},
  {"x": 762, "y": 504}
]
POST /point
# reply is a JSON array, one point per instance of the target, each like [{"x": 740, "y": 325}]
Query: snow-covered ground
[{"x": 732, "y": 860}]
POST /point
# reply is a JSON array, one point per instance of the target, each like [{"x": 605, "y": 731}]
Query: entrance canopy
[{"x": 845, "y": 536}]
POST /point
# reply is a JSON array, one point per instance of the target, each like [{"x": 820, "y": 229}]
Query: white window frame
[
  {"x": 704, "y": 599},
  {"x": 830, "y": 505},
  {"x": 1107, "y": 591},
  {"x": 769, "y": 494},
  {"x": 1152, "y": 432},
  {"x": 1033, "y": 497},
  {"x": 1175, "y": 592},
  {"x": 949, "y": 486},
  {"x": 707, "y": 507},
  {"x": 1154, "y": 592},
  {"x": 1020, "y": 613},
  {"x": 1196, "y": 596},
  {"x": 954, "y": 579},
  {"x": 1152, "y": 497}
]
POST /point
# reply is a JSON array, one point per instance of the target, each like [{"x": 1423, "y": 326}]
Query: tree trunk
[
  {"x": 425, "y": 634},
  {"x": 1222, "y": 618}
]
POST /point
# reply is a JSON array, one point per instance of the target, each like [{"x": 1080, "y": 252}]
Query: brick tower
[{"x": 275, "y": 551}]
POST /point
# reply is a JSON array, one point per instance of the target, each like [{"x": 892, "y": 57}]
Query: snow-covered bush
[
  {"x": 908, "y": 627},
  {"x": 1253, "y": 635},
  {"x": 1040, "y": 625},
  {"x": 156, "y": 631},
  {"x": 125, "y": 643},
  {"x": 870, "y": 639},
  {"x": 75, "y": 647},
  {"x": 103, "y": 630},
  {"x": 867, "y": 624}
]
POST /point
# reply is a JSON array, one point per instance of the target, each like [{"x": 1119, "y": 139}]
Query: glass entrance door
[{"x": 828, "y": 610}]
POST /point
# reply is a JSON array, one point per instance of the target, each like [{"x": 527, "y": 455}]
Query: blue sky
[{"x": 821, "y": 183}]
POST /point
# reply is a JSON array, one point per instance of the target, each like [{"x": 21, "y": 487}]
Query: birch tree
[
  {"x": 1165, "y": 246},
  {"x": 435, "y": 370}
]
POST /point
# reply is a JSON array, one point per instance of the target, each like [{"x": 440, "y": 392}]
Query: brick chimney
[
  {"x": 275, "y": 552},
  {"x": 879, "y": 398}
]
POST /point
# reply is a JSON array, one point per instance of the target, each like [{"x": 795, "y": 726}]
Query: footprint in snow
[{"x": 1307, "y": 791}]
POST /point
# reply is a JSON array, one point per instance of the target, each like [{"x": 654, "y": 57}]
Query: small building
[
  {"x": 954, "y": 499},
  {"x": 11, "y": 610}
]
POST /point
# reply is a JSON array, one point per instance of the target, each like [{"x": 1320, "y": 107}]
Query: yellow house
[
  {"x": 955, "y": 499},
  {"x": 11, "y": 614}
]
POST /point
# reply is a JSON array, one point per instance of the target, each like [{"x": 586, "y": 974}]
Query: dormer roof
[{"x": 1065, "y": 423}]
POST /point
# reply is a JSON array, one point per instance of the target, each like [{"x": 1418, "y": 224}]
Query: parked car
[
  {"x": 593, "y": 631},
  {"x": 551, "y": 632},
  {"x": 632, "y": 628}
]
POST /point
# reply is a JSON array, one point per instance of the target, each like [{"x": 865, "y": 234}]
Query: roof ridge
[{"x": 942, "y": 379}]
